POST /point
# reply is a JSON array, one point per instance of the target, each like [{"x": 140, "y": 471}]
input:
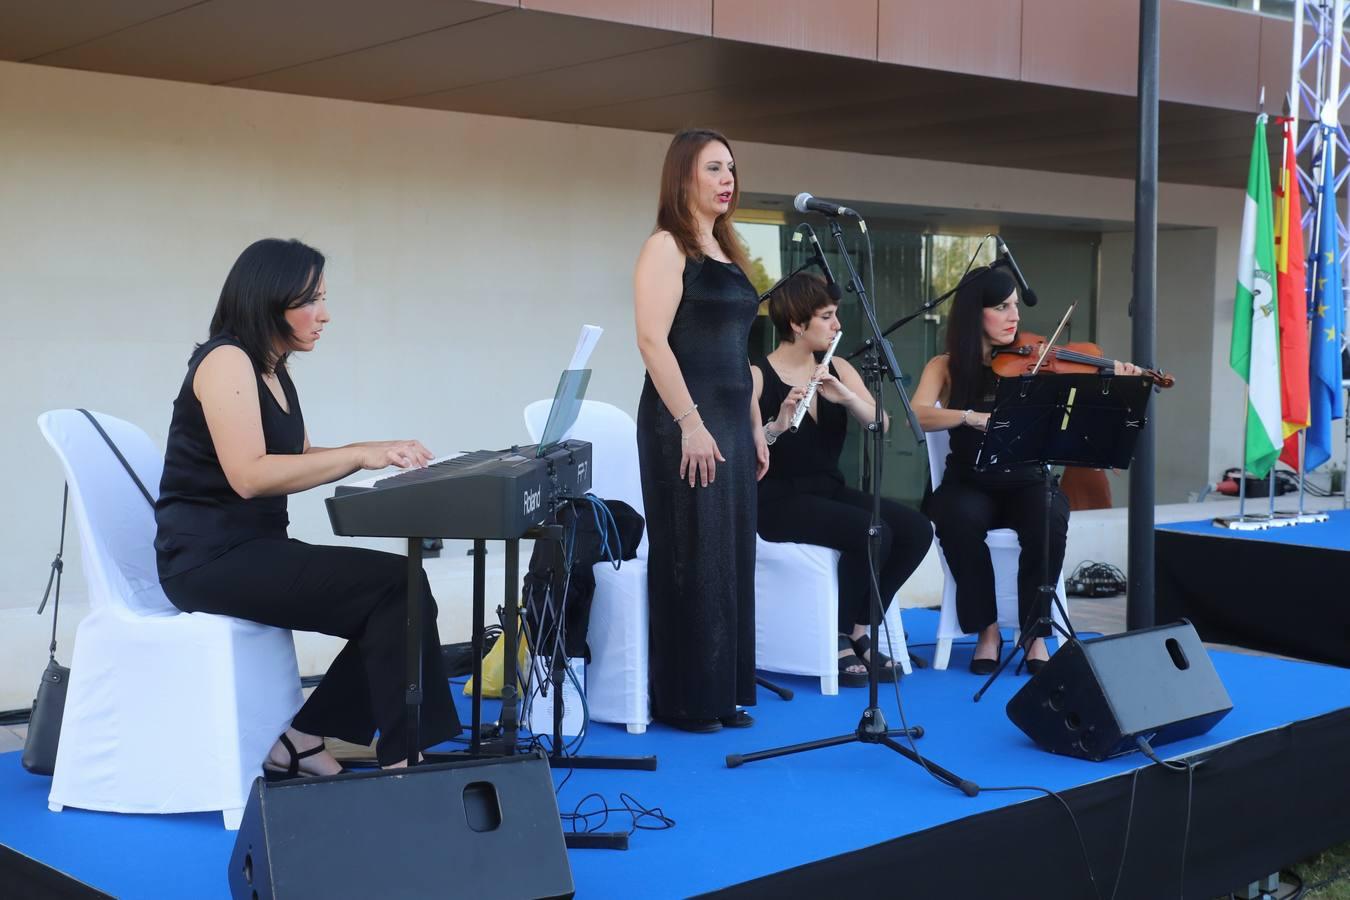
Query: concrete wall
[
  {"x": 464, "y": 253},
  {"x": 1189, "y": 290}
]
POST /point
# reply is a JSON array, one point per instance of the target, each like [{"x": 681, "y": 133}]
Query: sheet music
[{"x": 586, "y": 341}]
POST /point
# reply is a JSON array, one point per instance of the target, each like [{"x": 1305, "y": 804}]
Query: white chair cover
[
  {"x": 797, "y": 613},
  {"x": 1004, "y": 549},
  {"x": 616, "y": 679},
  {"x": 166, "y": 712}
]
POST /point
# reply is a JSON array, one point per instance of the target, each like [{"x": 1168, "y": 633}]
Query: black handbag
[{"x": 44, "y": 722}]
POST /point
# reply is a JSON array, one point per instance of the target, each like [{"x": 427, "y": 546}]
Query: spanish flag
[{"x": 1292, "y": 288}]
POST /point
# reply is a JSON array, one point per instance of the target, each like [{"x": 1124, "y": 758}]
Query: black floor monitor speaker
[
  {"x": 1096, "y": 697},
  {"x": 483, "y": 828}
]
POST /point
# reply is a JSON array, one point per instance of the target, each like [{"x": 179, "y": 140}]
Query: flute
[{"x": 805, "y": 403}]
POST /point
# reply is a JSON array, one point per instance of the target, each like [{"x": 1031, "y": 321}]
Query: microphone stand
[{"x": 872, "y": 729}]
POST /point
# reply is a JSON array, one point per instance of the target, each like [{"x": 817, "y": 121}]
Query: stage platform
[
  {"x": 1282, "y": 590},
  {"x": 1270, "y": 786}
]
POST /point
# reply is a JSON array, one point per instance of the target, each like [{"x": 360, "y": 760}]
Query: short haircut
[
  {"x": 796, "y": 301},
  {"x": 269, "y": 277}
]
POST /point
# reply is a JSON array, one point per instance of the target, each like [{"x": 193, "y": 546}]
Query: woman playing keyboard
[{"x": 237, "y": 447}]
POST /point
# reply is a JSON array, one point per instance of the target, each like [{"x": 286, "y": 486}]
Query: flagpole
[{"x": 1242, "y": 470}]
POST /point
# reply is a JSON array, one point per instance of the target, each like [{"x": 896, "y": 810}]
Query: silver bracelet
[
  {"x": 684, "y": 437},
  {"x": 685, "y": 414},
  {"x": 769, "y": 436},
  {"x": 965, "y": 415}
]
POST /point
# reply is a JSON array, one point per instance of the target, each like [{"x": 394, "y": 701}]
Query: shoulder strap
[
  {"x": 58, "y": 566},
  {"x": 120, "y": 458}
]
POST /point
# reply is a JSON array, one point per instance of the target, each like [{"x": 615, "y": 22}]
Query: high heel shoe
[
  {"x": 273, "y": 773},
  {"x": 980, "y": 666}
]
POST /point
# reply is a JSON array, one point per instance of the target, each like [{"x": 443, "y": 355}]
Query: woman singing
[
  {"x": 700, "y": 448},
  {"x": 237, "y": 447},
  {"x": 803, "y": 498},
  {"x": 984, "y": 315}
]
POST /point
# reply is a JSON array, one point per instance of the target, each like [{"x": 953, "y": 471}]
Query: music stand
[{"x": 1090, "y": 420}]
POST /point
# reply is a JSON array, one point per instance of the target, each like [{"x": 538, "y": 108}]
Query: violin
[{"x": 1083, "y": 357}]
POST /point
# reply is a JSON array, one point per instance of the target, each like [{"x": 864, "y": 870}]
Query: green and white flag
[{"x": 1255, "y": 351}]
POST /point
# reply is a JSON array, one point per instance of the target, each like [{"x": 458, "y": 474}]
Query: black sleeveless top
[
  {"x": 199, "y": 516},
  {"x": 808, "y": 460},
  {"x": 966, "y": 441}
]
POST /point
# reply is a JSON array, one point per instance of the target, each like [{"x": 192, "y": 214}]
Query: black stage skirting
[
  {"x": 1264, "y": 594},
  {"x": 1259, "y": 804}
]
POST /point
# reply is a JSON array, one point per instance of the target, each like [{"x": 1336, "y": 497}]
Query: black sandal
[
  {"x": 272, "y": 772},
  {"x": 847, "y": 678},
  {"x": 887, "y": 670}
]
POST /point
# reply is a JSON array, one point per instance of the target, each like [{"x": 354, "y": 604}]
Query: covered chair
[
  {"x": 616, "y": 677},
  {"x": 797, "y": 614},
  {"x": 167, "y": 712},
  {"x": 1004, "y": 550}
]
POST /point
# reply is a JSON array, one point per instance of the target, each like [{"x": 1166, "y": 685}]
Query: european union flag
[{"x": 1327, "y": 314}]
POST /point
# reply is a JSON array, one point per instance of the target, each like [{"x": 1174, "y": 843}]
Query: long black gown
[{"x": 701, "y": 556}]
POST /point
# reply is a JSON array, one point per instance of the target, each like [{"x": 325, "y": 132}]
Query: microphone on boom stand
[
  {"x": 804, "y": 202},
  {"x": 831, "y": 286},
  {"x": 1005, "y": 258}
]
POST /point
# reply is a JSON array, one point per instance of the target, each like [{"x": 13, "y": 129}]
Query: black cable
[
  {"x": 1189, "y": 768},
  {"x": 15, "y": 717},
  {"x": 639, "y": 815},
  {"x": 1125, "y": 843},
  {"x": 1082, "y": 845}
]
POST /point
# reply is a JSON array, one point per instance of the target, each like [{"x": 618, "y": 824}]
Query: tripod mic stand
[
  {"x": 1054, "y": 419},
  {"x": 872, "y": 728}
]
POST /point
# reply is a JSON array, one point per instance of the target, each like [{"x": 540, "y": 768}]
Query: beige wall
[{"x": 464, "y": 253}]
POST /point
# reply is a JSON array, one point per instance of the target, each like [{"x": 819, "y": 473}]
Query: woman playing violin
[{"x": 956, "y": 393}]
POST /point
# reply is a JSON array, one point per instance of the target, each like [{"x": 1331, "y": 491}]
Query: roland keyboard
[{"x": 483, "y": 494}]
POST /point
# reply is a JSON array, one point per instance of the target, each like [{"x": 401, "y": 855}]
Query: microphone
[
  {"x": 831, "y": 286},
  {"x": 804, "y": 202},
  {"x": 1005, "y": 258}
]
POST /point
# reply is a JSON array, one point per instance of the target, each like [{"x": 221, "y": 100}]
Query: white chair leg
[
  {"x": 896, "y": 647},
  {"x": 637, "y": 728},
  {"x": 829, "y": 684},
  {"x": 232, "y": 818},
  {"x": 55, "y": 807},
  {"x": 942, "y": 654}
]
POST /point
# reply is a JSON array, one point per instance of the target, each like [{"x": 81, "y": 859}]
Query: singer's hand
[
  {"x": 761, "y": 454},
  {"x": 699, "y": 456}
]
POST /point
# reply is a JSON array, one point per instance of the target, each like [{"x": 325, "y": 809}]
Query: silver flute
[{"x": 805, "y": 403}]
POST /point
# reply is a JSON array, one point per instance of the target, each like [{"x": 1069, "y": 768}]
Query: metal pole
[{"x": 1139, "y": 611}]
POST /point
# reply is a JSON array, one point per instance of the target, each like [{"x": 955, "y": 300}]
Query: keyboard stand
[{"x": 510, "y": 637}]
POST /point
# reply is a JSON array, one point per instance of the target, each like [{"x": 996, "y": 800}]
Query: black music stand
[{"x": 1090, "y": 420}]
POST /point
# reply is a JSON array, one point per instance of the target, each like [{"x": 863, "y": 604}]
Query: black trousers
[
  {"x": 837, "y": 517},
  {"x": 964, "y": 508},
  {"x": 349, "y": 592}
]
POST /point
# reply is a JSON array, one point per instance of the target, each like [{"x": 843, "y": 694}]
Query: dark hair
[
  {"x": 982, "y": 287},
  {"x": 673, "y": 213},
  {"x": 796, "y": 301},
  {"x": 269, "y": 277}
]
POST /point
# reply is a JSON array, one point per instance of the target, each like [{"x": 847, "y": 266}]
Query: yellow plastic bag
[{"x": 493, "y": 664}]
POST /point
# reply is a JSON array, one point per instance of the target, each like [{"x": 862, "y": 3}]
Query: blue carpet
[
  {"x": 1333, "y": 534},
  {"x": 731, "y": 825}
]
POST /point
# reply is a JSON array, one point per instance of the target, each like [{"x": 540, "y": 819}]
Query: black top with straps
[
  {"x": 199, "y": 516},
  {"x": 966, "y": 441},
  {"x": 810, "y": 457}
]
